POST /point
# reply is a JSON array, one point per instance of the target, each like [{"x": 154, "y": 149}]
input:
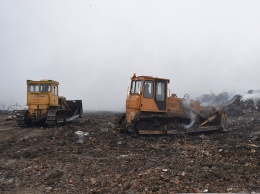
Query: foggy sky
[{"x": 92, "y": 47}]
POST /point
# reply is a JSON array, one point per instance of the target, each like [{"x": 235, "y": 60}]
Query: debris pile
[
  {"x": 242, "y": 106},
  {"x": 213, "y": 99},
  {"x": 56, "y": 160}
]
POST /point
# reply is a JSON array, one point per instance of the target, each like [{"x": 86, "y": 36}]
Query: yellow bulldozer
[
  {"x": 150, "y": 109},
  {"x": 46, "y": 107}
]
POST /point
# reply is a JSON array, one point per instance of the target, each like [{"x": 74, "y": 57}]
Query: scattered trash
[
  {"x": 48, "y": 189},
  {"x": 165, "y": 170},
  {"x": 111, "y": 124},
  {"x": 196, "y": 190},
  {"x": 81, "y": 136},
  {"x": 104, "y": 129},
  {"x": 9, "y": 118},
  {"x": 93, "y": 181},
  {"x": 123, "y": 156},
  {"x": 109, "y": 162},
  {"x": 253, "y": 145},
  {"x": 229, "y": 189},
  {"x": 176, "y": 180},
  {"x": 205, "y": 153},
  {"x": 254, "y": 136}
]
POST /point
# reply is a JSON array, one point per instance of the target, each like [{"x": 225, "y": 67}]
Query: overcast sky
[{"x": 92, "y": 47}]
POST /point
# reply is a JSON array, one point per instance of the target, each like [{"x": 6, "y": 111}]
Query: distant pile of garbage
[{"x": 235, "y": 105}]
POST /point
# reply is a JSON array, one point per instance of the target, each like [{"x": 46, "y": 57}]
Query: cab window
[
  {"x": 136, "y": 87},
  {"x": 45, "y": 88},
  {"x": 160, "y": 91},
  {"x": 33, "y": 88},
  {"x": 148, "y": 89},
  {"x": 55, "y": 90}
]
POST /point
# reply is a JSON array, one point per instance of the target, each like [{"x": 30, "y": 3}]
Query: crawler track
[
  {"x": 57, "y": 117},
  {"x": 21, "y": 118},
  {"x": 51, "y": 118},
  {"x": 145, "y": 123}
]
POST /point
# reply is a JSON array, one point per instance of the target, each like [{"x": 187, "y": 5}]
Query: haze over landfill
[{"x": 93, "y": 47}]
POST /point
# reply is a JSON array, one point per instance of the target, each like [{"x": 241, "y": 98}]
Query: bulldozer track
[
  {"x": 161, "y": 123},
  {"x": 60, "y": 116},
  {"x": 51, "y": 119},
  {"x": 154, "y": 123},
  {"x": 20, "y": 118}
]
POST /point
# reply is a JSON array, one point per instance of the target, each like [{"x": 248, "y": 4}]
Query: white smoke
[
  {"x": 252, "y": 95},
  {"x": 192, "y": 121},
  {"x": 215, "y": 99},
  {"x": 187, "y": 102}
]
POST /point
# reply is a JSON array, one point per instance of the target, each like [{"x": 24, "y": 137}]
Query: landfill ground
[{"x": 54, "y": 160}]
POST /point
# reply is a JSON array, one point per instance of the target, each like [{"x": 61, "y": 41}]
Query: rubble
[
  {"x": 9, "y": 118},
  {"x": 50, "y": 160},
  {"x": 81, "y": 136}
]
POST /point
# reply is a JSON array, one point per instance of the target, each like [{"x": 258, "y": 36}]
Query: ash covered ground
[{"x": 53, "y": 160}]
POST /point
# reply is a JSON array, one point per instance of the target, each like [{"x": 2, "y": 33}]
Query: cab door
[
  {"x": 160, "y": 94},
  {"x": 54, "y": 96},
  {"x": 147, "y": 98}
]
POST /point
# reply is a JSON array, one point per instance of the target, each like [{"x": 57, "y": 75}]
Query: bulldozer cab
[
  {"x": 43, "y": 92},
  {"x": 148, "y": 94}
]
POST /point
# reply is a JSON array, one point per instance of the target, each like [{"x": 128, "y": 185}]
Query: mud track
[{"x": 50, "y": 160}]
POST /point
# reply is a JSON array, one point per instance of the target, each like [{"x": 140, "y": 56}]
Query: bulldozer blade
[
  {"x": 223, "y": 124},
  {"x": 76, "y": 107},
  {"x": 219, "y": 120},
  {"x": 210, "y": 119},
  {"x": 193, "y": 130},
  {"x": 151, "y": 132},
  {"x": 177, "y": 132}
]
